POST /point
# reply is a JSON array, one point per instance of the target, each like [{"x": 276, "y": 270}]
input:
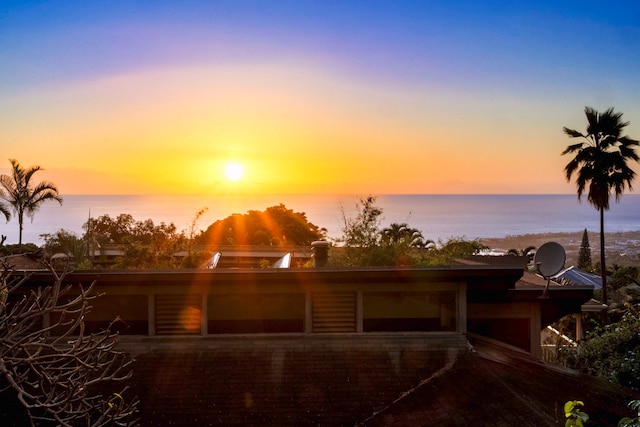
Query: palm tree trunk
[
  {"x": 603, "y": 267},
  {"x": 20, "y": 231}
]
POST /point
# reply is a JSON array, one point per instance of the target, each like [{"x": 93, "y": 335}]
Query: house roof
[
  {"x": 366, "y": 380},
  {"x": 26, "y": 261},
  {"x": 575, "y": 276},
  {"x": 496, "y": 386}
]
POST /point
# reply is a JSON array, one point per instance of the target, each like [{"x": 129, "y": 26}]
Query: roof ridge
[{"x": 452, "y": 358}]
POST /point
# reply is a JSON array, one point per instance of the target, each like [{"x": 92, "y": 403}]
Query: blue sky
[{"x": 378, "y": 97}]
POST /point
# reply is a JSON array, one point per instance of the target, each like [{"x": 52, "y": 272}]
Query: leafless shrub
[{"x": 58, "y": 373}]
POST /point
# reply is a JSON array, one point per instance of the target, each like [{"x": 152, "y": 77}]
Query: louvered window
[
  {"x": 178, "y": 314},
  {"x": 334, "y": 311}
]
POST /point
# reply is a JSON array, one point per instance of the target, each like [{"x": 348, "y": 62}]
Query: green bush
[
  {"x": 575, "y": 417},
  {"x": 612, "y": 352},
  {"x": 632, "y": 422}
]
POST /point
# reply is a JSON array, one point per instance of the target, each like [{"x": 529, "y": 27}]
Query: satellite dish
[{"x": 549, "y": 259}]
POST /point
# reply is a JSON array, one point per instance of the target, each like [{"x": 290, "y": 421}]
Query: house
[
  {"x": 574, "y": 275},
  {"x": 479, "y": 298},
  {"x": 289, "y": 347}
]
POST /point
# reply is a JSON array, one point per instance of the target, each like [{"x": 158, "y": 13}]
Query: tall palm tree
[
  {"x": 601, "y": 166},
  {"x": 23, "y": 196}
]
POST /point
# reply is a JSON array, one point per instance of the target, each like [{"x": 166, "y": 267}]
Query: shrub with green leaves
[
  {"x": 575, "y": 417},
  {"x": 612, "y": 352},
  {"x": 631, "y": 422}
]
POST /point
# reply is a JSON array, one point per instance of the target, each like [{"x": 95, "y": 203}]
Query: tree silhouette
[
  {"x": 584, "y": 255},
  {"x": 23, "y": 196},
  {"x": 51, "y": 371},
  {"x": 528, "y": 252},
  {"x": 397, "y": 233},
  {"x": 275, "y": 226},
  {"x": 600, "y": 163}
]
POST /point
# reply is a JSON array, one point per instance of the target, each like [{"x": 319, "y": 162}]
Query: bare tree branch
[{"x": 54, "y": 369}]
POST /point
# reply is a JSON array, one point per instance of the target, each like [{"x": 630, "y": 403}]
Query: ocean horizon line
[
  {"x": 437, "y": 216},
  {"x": 325, "y": 194}
]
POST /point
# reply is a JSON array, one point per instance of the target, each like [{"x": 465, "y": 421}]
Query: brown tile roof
[
  {"x": 498, "y": 387},
  {"x": 27, "y": 261},
  {"x": 375, "y": 380}
]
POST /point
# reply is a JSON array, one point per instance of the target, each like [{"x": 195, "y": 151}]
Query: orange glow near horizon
[
  {"x": 290, "y": 134},
  {"x": 308, "y": 99},
  {"x": 291, "y": 138}
]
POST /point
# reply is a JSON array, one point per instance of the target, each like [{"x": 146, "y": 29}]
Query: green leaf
[{"x": 569, "y": 407}]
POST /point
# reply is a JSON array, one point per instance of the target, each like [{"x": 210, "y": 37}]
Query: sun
[{"x": 234, "y": 171}]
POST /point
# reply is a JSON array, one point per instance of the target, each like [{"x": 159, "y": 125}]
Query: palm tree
[
  {"x": 601, "y": 166},
  {"x": 4, "y": 210},
  {"x": 528, "y": 252},
  {"x": 402, "y": 233},
  {"x": 22, "y": 195}
]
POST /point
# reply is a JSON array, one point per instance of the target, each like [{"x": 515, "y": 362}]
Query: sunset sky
[{"x": 353, "y": 97}]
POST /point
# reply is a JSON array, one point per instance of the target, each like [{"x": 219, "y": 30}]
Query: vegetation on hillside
[
  {"x": 364, "y": 242},
  {"x": 145, "y": 245},
  {"x": 611, "y": 351}
]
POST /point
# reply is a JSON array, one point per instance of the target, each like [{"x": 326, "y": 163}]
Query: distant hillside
[{"x": 622, "y": 248}]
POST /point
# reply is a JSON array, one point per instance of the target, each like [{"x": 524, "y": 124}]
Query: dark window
[
  {"x": 409, "y": 311},
  {"x": 255, "y": 313}
]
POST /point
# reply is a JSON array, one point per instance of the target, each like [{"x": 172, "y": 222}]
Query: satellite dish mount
[{"x": 549, "y": 260}]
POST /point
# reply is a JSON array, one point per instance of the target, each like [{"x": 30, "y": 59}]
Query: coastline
[{"x": 622, "y": 248}]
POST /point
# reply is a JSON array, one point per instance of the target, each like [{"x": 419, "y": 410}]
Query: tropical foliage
[
  {"x": 624, "y": 287},
  {"x": 67, "y": 243},
  {"x": 635, "y": 421},
  {"x": 23, "y": 195},
  {"x": 455, "y": 248},
  {"x": 528, "y": 252},
  {"x": 612, "y": 351},
  {"x": 275, "y": 226},
  {"x": 145, "y": 244},
  {"x": 364, "y": 242},
  {"x": 601, "y": 165},
  {"x": 575, "y": 417}
]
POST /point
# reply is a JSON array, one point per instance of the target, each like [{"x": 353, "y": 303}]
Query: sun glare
[{"x": 234, "y": 171}]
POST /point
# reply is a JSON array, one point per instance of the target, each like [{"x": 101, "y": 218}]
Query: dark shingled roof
[
  {"x": 368, "y": 380},
  {"x": 494, "y": 386}
]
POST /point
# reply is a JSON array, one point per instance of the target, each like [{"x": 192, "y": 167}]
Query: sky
[{"x": 327, "y": 97}]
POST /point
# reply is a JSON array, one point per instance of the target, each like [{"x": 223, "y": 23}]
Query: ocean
[{"x": 439, "y": 217}]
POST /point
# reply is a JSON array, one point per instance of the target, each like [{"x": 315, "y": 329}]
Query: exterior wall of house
[
  {"x": 515, "y": 323},
  {"x": 481, "y": 299},
  {"x": 391, "y": 308}
]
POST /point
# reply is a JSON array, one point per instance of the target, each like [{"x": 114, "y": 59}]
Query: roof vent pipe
[{"x": 320, "y": 255}]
